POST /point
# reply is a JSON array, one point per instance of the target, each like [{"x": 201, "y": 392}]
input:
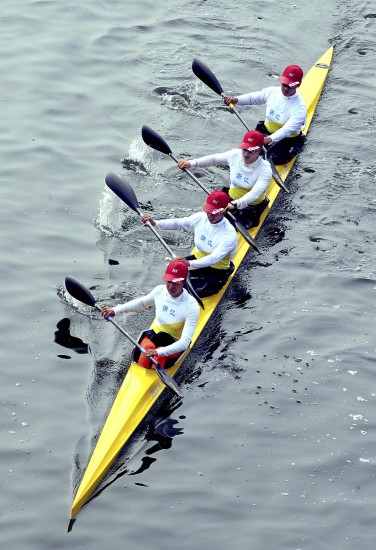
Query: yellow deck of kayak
[{"x": 141, "y": 387}]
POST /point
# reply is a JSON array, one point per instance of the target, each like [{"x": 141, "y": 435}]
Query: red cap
[
  {"x": 252, "y": 141},
  {"x": 176, "y": 271},
  {"x": 292, "y": 76},
  {"x": 216, "y": 202}
]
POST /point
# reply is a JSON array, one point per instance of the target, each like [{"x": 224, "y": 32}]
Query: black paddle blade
[
  {"x": 168, "y": 381},
  {"x": 122, "y": 189},
  {"x": 276, "y": 175},
  {"x": 207, "y": 76},
  {"x": 78, "y": 291},
  {"x": 154, "y": 140},
  {"x": 242, "y": 230}
]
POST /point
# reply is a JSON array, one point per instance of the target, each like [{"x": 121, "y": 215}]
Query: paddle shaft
[
  {"x": 276, "y": 175},
  {"x": 208, "y": 77},
  {"x": 83, "y": 294},
  {"x": 165, "y": 378},
  {"x": 187, "y": 282},
  {"x": 134, "y": 342},
  {"x": 240, "y": 227},
  {"x": 155, "y": 141},
  {"x": 125, "y": 193},
  {"x": 155, "y": 232}
]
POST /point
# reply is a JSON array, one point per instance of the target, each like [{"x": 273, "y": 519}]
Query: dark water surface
[{"x": 273, "y": 446}]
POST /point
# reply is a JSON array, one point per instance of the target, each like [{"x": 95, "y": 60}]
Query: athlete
[
  {"x": 250, "y": 175},
  {"x": 285, "y": 116},
  {"x": 215, "y": 242},
  {"x": 176, "y": 316}
]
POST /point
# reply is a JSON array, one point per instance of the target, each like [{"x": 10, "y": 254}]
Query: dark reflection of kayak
[{"x": 64, "y": 338}]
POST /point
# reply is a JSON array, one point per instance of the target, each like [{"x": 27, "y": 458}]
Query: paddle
[
  {"x": 125, "y": 192},
  {"x": 155, "y": 141},
  {"x": 207, "y": 77},
  {"x": 82, "y": 294}
]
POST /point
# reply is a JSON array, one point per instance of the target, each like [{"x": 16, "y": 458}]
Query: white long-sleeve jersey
[
  {"x": 176, "y": 316},
  {"x": 289, "y": 113},
  {"x": 248, "y": 182},
  {"x": 217, "y": 243}
]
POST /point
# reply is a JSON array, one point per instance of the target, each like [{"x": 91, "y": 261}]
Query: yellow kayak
[{"x": 141, "y": 387}]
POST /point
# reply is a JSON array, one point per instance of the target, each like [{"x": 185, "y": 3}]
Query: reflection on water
[
  {"x": 64, "y": 338},
  {"x": 157, "y": 429},
  {"x": 163, "y": 434}
]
